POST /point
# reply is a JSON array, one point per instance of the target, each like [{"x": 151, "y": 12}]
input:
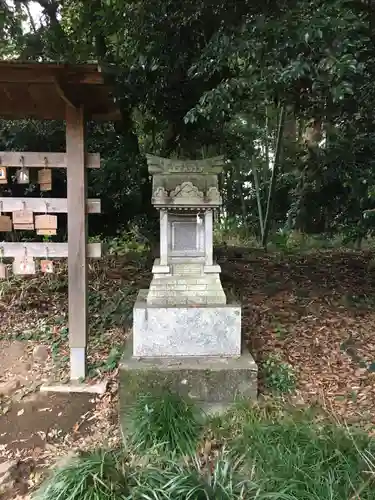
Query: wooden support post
[{"x": 77, "y": 238}]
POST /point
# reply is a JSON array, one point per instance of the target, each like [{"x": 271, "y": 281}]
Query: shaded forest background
[{"x": 283, "y": 88}]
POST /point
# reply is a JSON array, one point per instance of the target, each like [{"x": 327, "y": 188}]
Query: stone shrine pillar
[{"x": 185, "y": 334}]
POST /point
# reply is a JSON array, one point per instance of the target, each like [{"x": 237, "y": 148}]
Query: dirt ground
[
  {"x": 38, "y": 428},
  {"x": 316, "y": 311}
]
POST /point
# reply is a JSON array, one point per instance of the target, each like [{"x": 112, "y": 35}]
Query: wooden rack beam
[
  {"x": 43, "y": 250},
  {"x": 44, "y": 73},
  {"x": 38, "y": 160},
  {"x": 42, "y": 205}
]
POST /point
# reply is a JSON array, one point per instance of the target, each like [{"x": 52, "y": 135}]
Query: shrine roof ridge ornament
[{"x": 163, "y": 166}]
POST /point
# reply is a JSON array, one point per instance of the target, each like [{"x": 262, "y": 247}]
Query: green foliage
[
  {"x": 229, "y": 232},
  {"x": 167, "y": 421},
  {"x": 129, "y": 243},
  {"x": 278, "y": 375},
  {"x": 92, "y": 475},
  {"x": 269, "y": 452},
  {"x": 205, "y": 78},
  {"x": 304, "y": 457},
  {"x": 107, "y": 310},
  {"x": 226, "y": 480}
]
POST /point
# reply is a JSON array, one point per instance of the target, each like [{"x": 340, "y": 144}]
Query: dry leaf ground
[{"x": 315, "y": 310}]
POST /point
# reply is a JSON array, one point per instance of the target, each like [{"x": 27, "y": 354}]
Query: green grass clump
[
  {"x": 264, "y": 452},
  {"x": 222, "y": 480},
  {"x": 91, "y": 476},
  {"x": 169, "y": 422},
  {"x": 305, "y": 458}
]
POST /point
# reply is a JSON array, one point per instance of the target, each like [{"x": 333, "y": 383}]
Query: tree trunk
[
  {"x": 240, "y": 194},
  {"x": 266, "y": 146},
  {"x": 259, "y": 201},
  {"x": 276, "y": 165}
]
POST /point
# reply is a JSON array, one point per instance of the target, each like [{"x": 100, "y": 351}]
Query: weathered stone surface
[
  {"x": 187, "y": 284},
  {"x": 185, "y": 182},
  {"x": 186, "y": 331},
  {"x": 209, "y": 381}
]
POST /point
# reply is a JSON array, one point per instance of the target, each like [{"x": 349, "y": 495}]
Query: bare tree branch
[
  {"x": 51, "y": 8},
  {"x": 31, "y": 19}
]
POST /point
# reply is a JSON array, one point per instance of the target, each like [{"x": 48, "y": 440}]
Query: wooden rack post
[
  {"x": 72, "y": 92},
  {"x": 77, "y": 239},
  {"x": 77, "y": 206}
]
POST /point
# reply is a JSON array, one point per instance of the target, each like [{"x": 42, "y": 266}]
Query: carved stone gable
[
  {"x": 188, "y": 193},
  {"x": 185, "y": 183}
]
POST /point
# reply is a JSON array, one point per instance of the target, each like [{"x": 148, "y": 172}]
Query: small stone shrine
[
  {"x": 185, "y": 334},
  {"x": 185, "y": 193}
]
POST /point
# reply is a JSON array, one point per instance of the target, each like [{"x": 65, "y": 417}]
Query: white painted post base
[{"x": 77, "y": 363}]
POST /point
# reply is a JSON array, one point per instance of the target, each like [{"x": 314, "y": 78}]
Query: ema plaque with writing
[
  {"x": 45, "y": 179},
  {"x": 23, "y": 175},
  {"x": 23, "y": 219},
  {"x": 24, "y": 265},
  {"x": 46, "y": 266},
  {"x": 46, "y": 224},
  {"x": 3, "y": 175},
  {"x": 5, "y": 224}
]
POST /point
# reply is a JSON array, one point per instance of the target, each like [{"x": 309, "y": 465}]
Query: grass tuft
[
  {"x": 166, "y": 421},
  {"x": 90, "y": 476},
  {"x": 314, "y": 460},
  {"x": 225, "y": 479}
]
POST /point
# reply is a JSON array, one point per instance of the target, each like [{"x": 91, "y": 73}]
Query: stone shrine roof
[{"x": 185, "y": 183}]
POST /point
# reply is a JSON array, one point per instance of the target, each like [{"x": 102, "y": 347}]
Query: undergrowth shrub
[{"x": 278, "y": 375}]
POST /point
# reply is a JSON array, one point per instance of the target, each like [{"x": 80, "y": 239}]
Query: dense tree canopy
[{"x": 283, "y": 88}]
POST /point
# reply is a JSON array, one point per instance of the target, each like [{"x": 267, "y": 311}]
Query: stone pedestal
[
  {"x": 212, "y": 382},
  {"x": 185, "y": 335},
  {"x": 207, "y": 330}
]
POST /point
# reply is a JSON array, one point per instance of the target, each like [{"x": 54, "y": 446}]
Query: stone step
[
  {"x": 170, "y": 280},
  {"x": 186, "y": 292},
  {"x": 192, "y": 300},
  {"x": 186, "y": 286}
]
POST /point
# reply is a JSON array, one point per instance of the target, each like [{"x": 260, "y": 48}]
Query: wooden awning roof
[{"x": 42, "y": 90}]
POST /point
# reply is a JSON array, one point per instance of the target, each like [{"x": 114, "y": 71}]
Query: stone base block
[
  {"x": 206, "y": 330},
  {"x": 214, "y": 383},
  {"x": 186, "y": 291}
]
